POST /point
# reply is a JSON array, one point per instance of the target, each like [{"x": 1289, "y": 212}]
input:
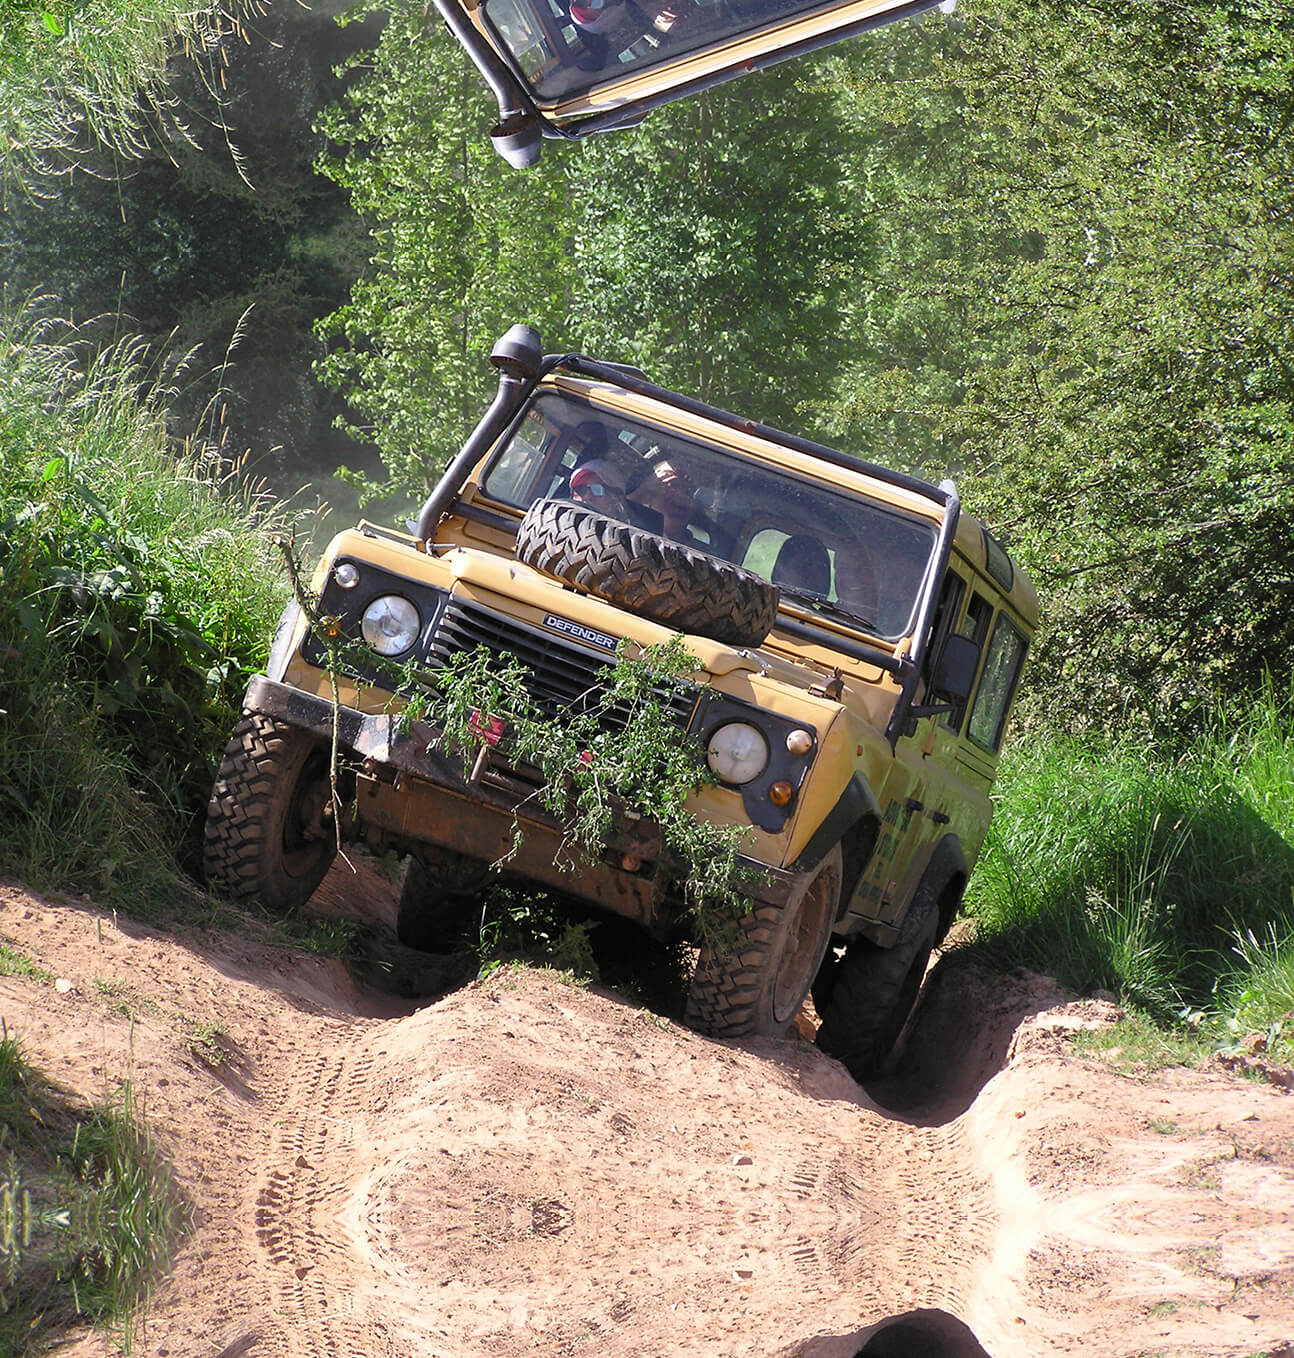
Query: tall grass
[
  {"x": 88, "y": 1211},
  {"x": 72, "y": 72},
  {"x": 138, "y": 589},
  {"x": 1165, "y": 876}
]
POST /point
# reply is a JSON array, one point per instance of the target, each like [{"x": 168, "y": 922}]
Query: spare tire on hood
[{"x": 646, "y": 574}]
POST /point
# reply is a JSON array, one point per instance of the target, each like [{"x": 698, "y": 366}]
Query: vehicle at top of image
[
  {"x": 568, "y": 68},
  {"x": 858, "y": 642}
]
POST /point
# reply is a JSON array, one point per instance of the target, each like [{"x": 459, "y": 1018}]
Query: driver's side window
[{"x": 973, "y": 625}]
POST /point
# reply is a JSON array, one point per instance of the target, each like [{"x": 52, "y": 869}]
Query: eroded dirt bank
[{"x": 528, "y": 1168}]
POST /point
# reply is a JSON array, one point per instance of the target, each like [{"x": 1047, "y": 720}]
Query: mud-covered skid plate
[{"x": 567, "y": 68}]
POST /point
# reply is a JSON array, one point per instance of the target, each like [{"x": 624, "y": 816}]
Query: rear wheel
[
  {"x": 871, "y": 991},
  {"x": 270, "y": 834},
  {"x": 758, "y": 985},
  {"x": 440, "y": 895}
]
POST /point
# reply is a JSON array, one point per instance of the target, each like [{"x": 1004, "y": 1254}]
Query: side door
[{"x": 924, "y": 795}]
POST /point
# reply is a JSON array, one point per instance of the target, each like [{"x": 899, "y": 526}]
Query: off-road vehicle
[
  {"x": 566, "y": 68},
  {"x": 858, "y": 643}
]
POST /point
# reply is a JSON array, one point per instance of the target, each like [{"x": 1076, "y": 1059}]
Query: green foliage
[
  {"x": 706, "y": 245},
  {"x": 711, "y": 243},
  {"x": 19, "y": 964},
  {"x": 137, "y": 597},
  {"x": 462, "y": 247},
  {"x": 68, "y": 70},
  {"x": 89, "y": 1213},
  {"x": 1135, "y": 1044},
  {"x": 1084, "y": 300},
  {"x": 521, "y": 925},
  {"x": 1043, "y": 246},
  {"x": 189, "y": 244},
  {"x": 1258, "y": 996},
  {"x": 1165, "y": 878}
]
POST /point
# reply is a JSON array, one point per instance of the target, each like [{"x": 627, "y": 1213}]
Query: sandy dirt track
[{"x": 525, "y": 1167}]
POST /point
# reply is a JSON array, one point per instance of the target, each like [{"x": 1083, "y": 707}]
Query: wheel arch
[
  {"x": 944, "y": 881},
  {"x": 854, "y": 823}
]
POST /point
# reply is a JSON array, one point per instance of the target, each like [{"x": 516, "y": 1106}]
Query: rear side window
[{"x": 997, "y": 685}]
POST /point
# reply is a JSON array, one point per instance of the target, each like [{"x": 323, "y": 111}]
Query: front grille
[{"x": 560, "y": 676}]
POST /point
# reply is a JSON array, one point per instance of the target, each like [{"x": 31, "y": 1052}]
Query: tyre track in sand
[
  {"x": 466, "y": 1205},
  {"x": 527, "y": 1168}
]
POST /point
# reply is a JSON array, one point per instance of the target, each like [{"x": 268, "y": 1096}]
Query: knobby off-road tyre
[
  {"x": 759, "y": 985},
  {"x": 872, "y": 991},
  {"x": 268, "y": 838},
  {"x": 646, "y": 574},
  {"x": 440, "y": 896}
]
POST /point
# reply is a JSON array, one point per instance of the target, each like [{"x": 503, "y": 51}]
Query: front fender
[{"x": 854, "y": 805}]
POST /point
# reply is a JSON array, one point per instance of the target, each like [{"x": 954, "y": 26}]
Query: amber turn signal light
[{"x": 780, "y": 794}]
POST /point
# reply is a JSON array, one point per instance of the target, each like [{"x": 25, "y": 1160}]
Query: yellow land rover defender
[
  {"x": 566, "y": 68},
  {"x": 859, "y": 641}
]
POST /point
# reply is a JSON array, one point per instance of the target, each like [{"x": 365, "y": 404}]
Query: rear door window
[{"x": 997, "y": 685}]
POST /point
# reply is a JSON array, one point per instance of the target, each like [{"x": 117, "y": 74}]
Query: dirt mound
[{"x": 526, "y": 1167}]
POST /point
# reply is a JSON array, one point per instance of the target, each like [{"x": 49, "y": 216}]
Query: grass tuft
[
  {"x": 14, "y": 963},
  {"x": 88, "y": 1212},
  {"x": 1164, "y": 876},
  {"x": 137, "y": 593},
  {"x": 75, "y": 69}
]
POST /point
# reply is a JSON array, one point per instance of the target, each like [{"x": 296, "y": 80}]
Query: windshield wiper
[{"x": 821, "y": 604}]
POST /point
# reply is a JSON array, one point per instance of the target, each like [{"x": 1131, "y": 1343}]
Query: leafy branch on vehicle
[{"x": 614, "y": 752}]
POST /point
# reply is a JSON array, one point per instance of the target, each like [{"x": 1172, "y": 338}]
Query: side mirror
[{"x": 954, "y": 675}]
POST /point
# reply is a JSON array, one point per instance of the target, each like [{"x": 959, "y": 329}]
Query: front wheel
[
  {"x": 872, "y": 991},
  {"x": 757, "y": 985},
  {"x": 270, "y": 833}
]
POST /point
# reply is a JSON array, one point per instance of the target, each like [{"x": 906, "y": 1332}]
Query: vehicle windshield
[
  {"x": 840, "y": 554},
  {"x": 565, "y": 47}
]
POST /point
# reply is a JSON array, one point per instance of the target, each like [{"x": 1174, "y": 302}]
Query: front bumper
[{"x": 411, "y": 790}]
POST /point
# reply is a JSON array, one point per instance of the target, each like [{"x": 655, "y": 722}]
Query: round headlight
[
  {"x": 737, "y": 752},
  {"x": 390, "y": 624},
  {"x": 346, "y": 575}
]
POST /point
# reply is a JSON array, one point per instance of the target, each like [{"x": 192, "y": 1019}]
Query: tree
[
  {"x": 462, "y": 247},
  {"x": 708, "y": 245},
  {"x": 1085, "y": 301},
  {"x": 714, "y": 248}
]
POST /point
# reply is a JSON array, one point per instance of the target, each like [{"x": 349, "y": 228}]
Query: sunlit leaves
[
  {"x": 1043, "y": 247},
  {"x": 462, "y": 247},
  {"x": 1085, "y": 308}
]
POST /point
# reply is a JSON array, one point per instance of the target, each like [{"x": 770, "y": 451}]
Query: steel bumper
[{"x": 415, "y": 748}]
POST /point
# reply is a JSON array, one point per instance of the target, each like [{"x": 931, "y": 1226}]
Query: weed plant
[
  {"x": 88, "y": 1212},
  {"x": 73, "y": 72},
  {"x": 1163, "y": 875},
  {"x": 137, "y": 593},
  {"x": 612, "y": 755}
]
